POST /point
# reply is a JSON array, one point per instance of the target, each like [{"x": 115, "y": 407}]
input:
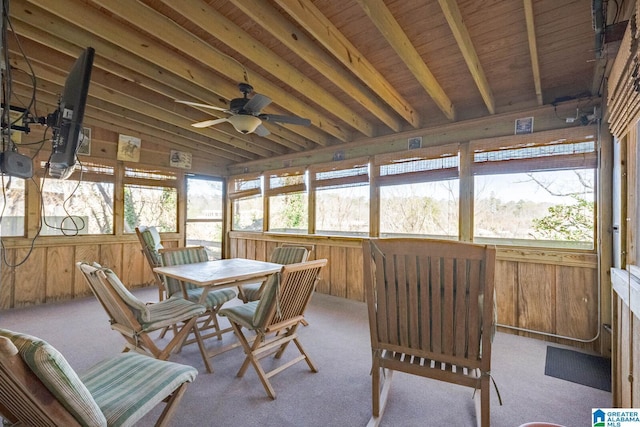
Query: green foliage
[
  {"x": 572, "y": 222},
  {"x": 295, "y": 214}
]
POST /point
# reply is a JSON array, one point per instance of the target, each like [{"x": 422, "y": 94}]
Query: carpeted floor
[{"x": 337, "y": 338}]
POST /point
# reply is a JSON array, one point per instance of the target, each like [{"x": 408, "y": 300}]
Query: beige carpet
[{"x": 340, "y": 393}]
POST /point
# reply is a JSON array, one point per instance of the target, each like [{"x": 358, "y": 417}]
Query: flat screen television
[{"x": 67, "y": 120}]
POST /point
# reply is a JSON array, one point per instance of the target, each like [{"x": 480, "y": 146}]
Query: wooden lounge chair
[
  {"x": 275, "y": 318},
  {"x": 135, "y": 320},
  {"x": 286, "y": 254},
  {"x": 39, "y": 388},
  {"x": 430, "y": 307}
]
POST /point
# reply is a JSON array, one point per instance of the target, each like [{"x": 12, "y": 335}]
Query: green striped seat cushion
[
  {"x": 151, "y": 238},
  {"x": 252, "y": 314},
  {"x": 214, "y": 298},
  {"x": 168, "y": 312},
  {"x": 191, "y": 255},
  {"x": 188, "y": 255},
  {"x": 241, "y": 314},
  {"x": 252, "y": 292},
  {"x": 128, "y": 385},
  {"x": 140, "y": 309},
  {"x": 59, "y": 378}
]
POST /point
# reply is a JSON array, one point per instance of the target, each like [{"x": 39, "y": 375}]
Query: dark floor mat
[{"x": 578, "y": 367}]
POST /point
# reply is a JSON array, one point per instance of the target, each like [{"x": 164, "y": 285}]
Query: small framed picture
[
  {"x": 180, "y": 159},
  {"x": 338, "y": 155},
  {"x": 415, "y": 142},
  {"x": 524, "y": 125},
  {"x": 85, "y": 142},
  {"x": 129, "y": 148}
]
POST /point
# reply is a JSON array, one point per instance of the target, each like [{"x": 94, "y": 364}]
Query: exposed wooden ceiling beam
[
  {"x": 290, "y": 35},
  {"x": 323, "y": 30},
  {"x": 121, "y": 35},
  {"x": 237, "y": 39},
  {"x": 391, "y": 30},
  {"x": 461, "y": 34},
  {"x": 533, "y": 49},
  {"x": 159, "y": 26},
  {"x": 145, "y": 74}
]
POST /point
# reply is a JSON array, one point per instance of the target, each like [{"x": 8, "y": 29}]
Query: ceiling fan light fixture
[{"x": 244, "y": 123}]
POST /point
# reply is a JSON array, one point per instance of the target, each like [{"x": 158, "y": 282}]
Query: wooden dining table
[{"x": 219, "y": 274}]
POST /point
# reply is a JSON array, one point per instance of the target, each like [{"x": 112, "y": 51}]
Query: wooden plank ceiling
[{"x": 355, "y": 68}]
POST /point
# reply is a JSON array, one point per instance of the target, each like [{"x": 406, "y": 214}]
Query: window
[
  {"x": 205, "y": 214},
  {"x": 342, "y": 198},
  {"x": 82, "y": 204},
  {"x": 542, "y": 195},
  {"x": 12, "y": 207},
  {"x": 247, "y": 206},
  {"x": 419, "y": 195},
  {"x": 150, "y": 198},
  {"x": 288, "y": 201}
]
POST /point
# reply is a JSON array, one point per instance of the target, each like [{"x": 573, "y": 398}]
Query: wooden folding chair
[
  {"x": 208, "y": 324},
  {"x": 285, "y": 254},
  {"x": 39, "y": 388},
  {"x": 431, "y": 306},
  {"x": 275, "y": 318},
  {"x": 136, "y": 320}
]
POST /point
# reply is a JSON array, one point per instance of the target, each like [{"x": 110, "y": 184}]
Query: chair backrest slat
[
  {"x": 287, "y": 297},
  {"x": 430, "y": 298}
]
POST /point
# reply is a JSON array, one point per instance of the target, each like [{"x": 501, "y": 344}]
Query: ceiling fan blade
[
  {"x": 261, "y": 131},
  {"x": 257, "y": 103},
  {"x": 208, "y": 123},
  {"x": 294, "y": 120},
  {"x": 197, "y": 104}
]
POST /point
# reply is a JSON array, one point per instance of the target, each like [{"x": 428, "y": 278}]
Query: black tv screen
[{"x": 67, "y": 128}]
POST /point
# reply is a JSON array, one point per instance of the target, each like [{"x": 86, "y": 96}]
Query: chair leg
[
  {"x": 482, "y": 402},
  {"x": 203, "y": 350},
  {"x": 251, "y": 358},
  {"x": 171, "y": 406},
  {"x": 379, "y": 395}
]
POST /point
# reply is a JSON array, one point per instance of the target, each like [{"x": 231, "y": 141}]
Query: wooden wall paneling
[
  {"x": 233, "y": 247},
  {"x": 536, "y": 296},
  {"x": 506, "y": 286},
  {"x": 241, "y": 248},
  {"x": 261, "y": 250},
  {"x": 634, "y": 346},
  {"x": 616, "y": 352},
  {"x": 84, "y": 253},
  {"x": 324, "y": 285},
  {"x": 624, "y": 361},
  {"x": 7, "y": 279},
  {"x": 576, "y": 302},
  {"x": 111, "y": 256},
  {"x": 268, "y": 248},
  {"x": 355, "y": 274},
  {"x": 338, "y": 271},
  {"x": 30, "y": 277},
  {"x": 250, "y": 248},
  {"x": 60, "y": 263},
  {"x": 133, "y": 266}
]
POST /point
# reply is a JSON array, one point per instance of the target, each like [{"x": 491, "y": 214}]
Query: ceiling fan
[{"x": 245, "y": 113}]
